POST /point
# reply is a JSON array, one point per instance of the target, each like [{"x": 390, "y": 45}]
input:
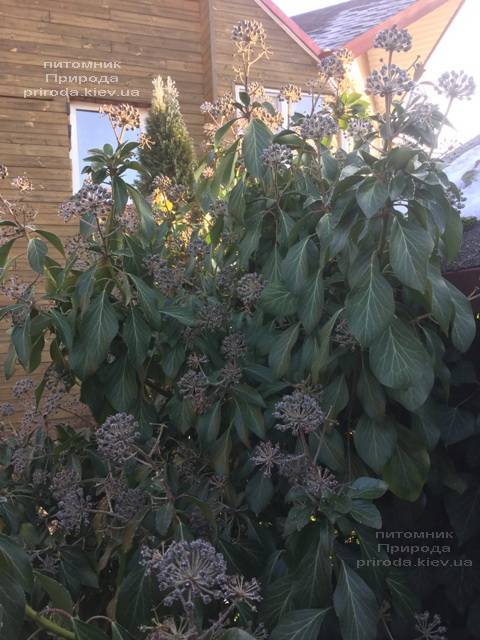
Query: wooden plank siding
[
  {"x": 288, "y": 62},
  {"x": 147, "y": 38},
  {"x": 186, "y": 39}
]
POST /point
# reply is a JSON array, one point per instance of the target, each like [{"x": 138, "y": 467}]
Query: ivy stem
[{"x": 48, "y": 624}]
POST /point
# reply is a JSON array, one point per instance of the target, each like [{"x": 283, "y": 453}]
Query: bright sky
[{"x": 458, "y": 49}]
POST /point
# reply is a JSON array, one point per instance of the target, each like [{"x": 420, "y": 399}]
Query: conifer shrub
[
  {"x": 273, "y": 365},
  {"x": 169, "y": 151}
]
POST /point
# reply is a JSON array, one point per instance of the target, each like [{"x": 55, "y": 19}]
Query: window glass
[
  {"x": 304, "y": 105},
  {"x": 93, "y": 129}
]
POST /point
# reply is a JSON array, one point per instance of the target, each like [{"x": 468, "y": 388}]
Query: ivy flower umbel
[
  {"x": 388, "y": 80},
  {"x": 290, "y": 93},
  {"x": 359, "y": 127},
  {"x": 456, "y": 84},
  {"x": 299, "y": 413},
  {"x": 116, "y": 437},
  {"x": 429, "y": 629},
  {"x": 249, "y": 289},
  {"x": 393, "y": 39},
  {"x": 277, "y": 157},
  {"x": 91, "y": 198},
  {"x": 318, "y": 126},
  {"x": 332, "y": 66},
  {"x": 266, "y": 455},
  {"x": 187, "y": 571},
  {"x": 248, "y": 34}
]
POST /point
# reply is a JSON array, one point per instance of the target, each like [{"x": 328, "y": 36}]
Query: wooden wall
[
  {"x": 147, "y": 38},
  {"x": 288, "y": 63},
  {"x": 186, "y": 39}
]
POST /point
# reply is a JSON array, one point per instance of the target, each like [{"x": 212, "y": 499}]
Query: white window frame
[
  {"x": 274, "y": 93},
  {"x": 74, "y": 153}
]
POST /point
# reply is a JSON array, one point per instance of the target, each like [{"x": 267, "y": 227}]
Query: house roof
[
  {"x": 291, "y": 27},
  {"x": 332, "y": 27}
]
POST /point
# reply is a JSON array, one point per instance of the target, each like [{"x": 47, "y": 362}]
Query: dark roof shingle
[{"x": 333, "y": 27}]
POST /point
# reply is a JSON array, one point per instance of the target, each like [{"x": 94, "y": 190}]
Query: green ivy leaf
[
  {"x": 121, "y": 384},
  {"x": 36, "y": 252},
  {"x": 407, "y": 470},
  {"x": 136, "y": 335},
  {"x": 149, "y": 301},
  {"x": 278, "y": 300},
  {"x": 310, "y": 306},
  {"x": 12, "y": 607},
  {"x": 370, "y": 308},
  {"x": 368, "y": 488},
  {"x": 355, "y": 605},
  {"x": 259, "y": 492},
  {"x": 397, "y": 357},
  {"x": 302, "y": 624},
  {"x": 98, "y": 329},
  {"x": 366, "y": 513},
  {"x": 410, "y": 250},
  {"x": 295, "y": 265},
  {"x": 375, "y": 441},
  {"x": 464, "y": 513},
  {"x": 16, "y": 562},
  {"x": 53, "y": 239},
  {"x": 335, "y": 396},
  {"x": 256, "y": 138},
  {"x": 370, "y": 393},
  {"x": 134, "y": 600},
  {"x": 59, "y": 596},
  {"x": 280, "y": 355},
  {"x": 463, "y": 328},
  {"x": 372, "y": 194}
]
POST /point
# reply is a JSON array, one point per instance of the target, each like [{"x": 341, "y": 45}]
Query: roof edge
[
  {"x": 360, "y": 44},
  {"x": 291, "y": 28}
]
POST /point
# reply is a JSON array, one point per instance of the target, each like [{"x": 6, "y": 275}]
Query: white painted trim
[
  {"x": 74, "y": 153},
  {"x": 273, "y": 92}
]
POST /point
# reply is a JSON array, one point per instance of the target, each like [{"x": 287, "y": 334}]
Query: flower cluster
[
  {"x": 248, "y": 34},
  {"x": 318, "y": 125},
  {"x": 222, "y": 107},
  {"x": 124, "y": 116},
  {"x": 266, "y": 455},
  {"x": 332, "y": 66},
  {"x": 168, "y": 279},
  {"x": 22, "y": 387},
  {"x": 422, "y": 114},
  {"x": 212, "y": 315},
  {"x": 389, "y": 80},
  {"x": 193, "y": 386},
  {"x": 393, "y": 39},
  {"x": 190, "y": 571},
  {"x": 277, "y": 157},
  {"x": 72, "y": 504},
  {"x": 256, "y": 90},
  {"x": 290, "y": 93},
  {"x": 3, "y": 172},
  {"x": 319, "y": 481},
  {"x": 456, "y": 84},
  {"x": 299, "y": 413},
  {"x": 234, "y": 346},
  {"x": 16, "y": 290},
  {"x": 359, "y": 127},
  {"x": 78, "y": 251},
  {"x": 429, "y": 629},
  {"x": 22, "y": 183},
  {"x": 116, "y": 437},
  {"x": 91, "y": 198},
  {"x": 249, "y": 289},
  {"x": 127, "y": 502},
  {"x": 273, "y": 120}
]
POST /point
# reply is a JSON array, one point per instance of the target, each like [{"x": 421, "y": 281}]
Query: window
[
  {"x": 91, "y": 129},
  {"x": 304, "y": 105}
]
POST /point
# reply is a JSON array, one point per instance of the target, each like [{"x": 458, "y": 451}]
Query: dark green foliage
[{"x": 277, "y": 367}]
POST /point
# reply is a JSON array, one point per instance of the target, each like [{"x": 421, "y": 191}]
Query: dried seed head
[
  {"x": 298, "y": 413},
  {"x": 249, "y": 289},
  {"x": 290, "y": 93},
  {"x": 116, "y": 438},
  {"x": 388, "y": 80},
  {"x": 456, "y": 84},
  {"x": 318, "y": 125},
  {"x": 22, "y": 183},
  {"x": 393, "y": 39},
  {"x": 248, "y": 34},
  {"x": 277, "y": 157},
  {"x": 122, "y": 116}
]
